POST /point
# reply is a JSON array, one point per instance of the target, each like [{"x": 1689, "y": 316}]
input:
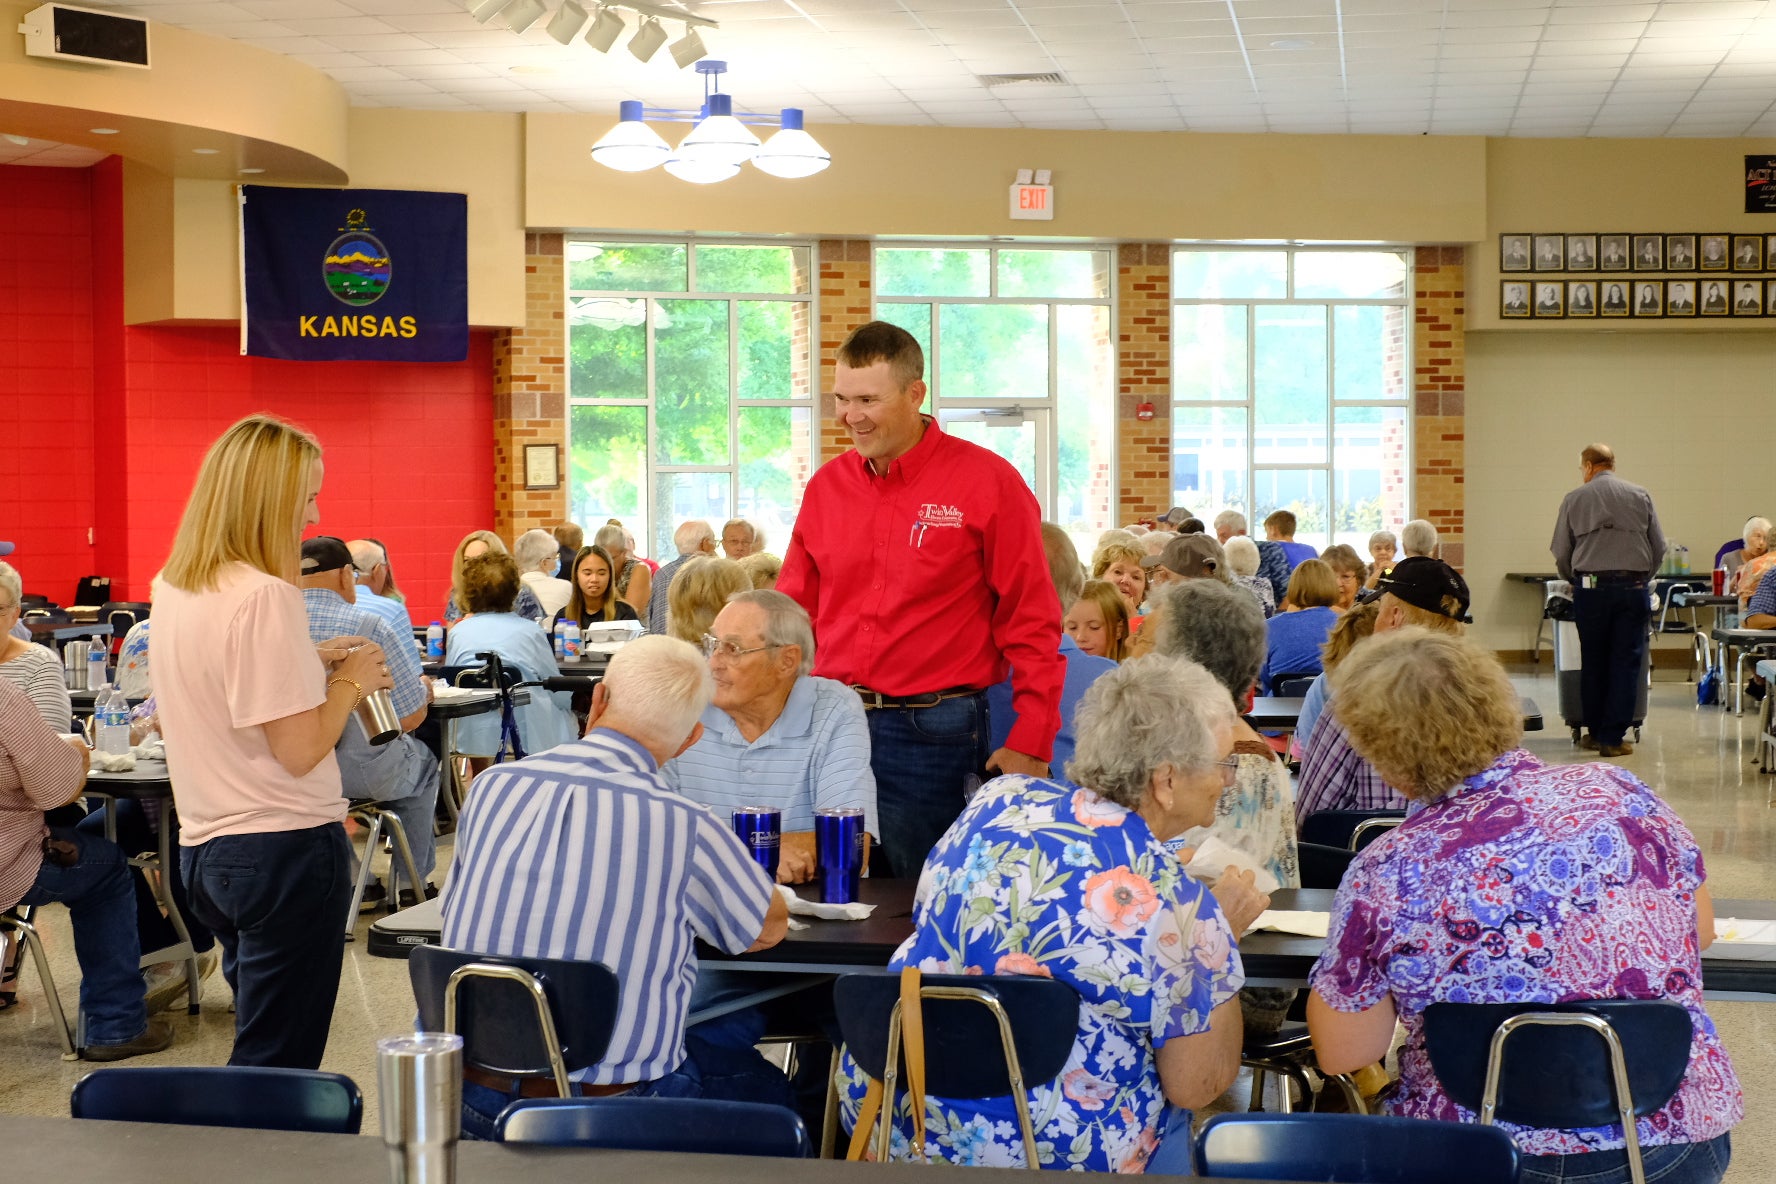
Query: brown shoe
[
  {"x": 157, "y": 1036},
  {"x": 1615, "y": 750},
  {"x": 1589, "y": 743}
]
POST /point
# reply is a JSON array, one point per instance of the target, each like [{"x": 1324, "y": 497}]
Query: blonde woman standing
[{"x": 251, "y": 710}]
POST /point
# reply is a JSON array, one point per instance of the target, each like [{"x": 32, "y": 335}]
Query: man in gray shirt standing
[{"x": 1607, "y": 543}]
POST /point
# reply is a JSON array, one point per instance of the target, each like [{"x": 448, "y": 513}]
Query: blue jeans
[
  {"x": 277, "y": 903},
  {"x": 921, "y": 757},
  {"x": 101, "y": 903},
  {"x": 1612, "y": 623},
  {"x": 134, "y": 833},
  {"x": 1674, "y": 1163}
]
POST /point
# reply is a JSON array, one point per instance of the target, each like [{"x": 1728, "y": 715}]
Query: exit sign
[{"x": 1035, "y": 203}]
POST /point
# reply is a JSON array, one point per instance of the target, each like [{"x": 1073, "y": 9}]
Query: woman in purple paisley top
[{"x": 1512, "y": 881}]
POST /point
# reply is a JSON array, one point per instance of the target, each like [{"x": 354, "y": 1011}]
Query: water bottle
[
  {"x": 1683, "y": 560},
  {"x": 435, "y": 642},
  {"x": 95, "y": 668},
  {"x": 112, "y": 710},
  {"x": 570, "y": 642},
  {"x": 560, "y": 638}
]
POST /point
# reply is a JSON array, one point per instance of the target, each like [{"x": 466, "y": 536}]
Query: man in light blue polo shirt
[
  {"x": 775, "y": 735},
  {"x": 370, "y": 571}
]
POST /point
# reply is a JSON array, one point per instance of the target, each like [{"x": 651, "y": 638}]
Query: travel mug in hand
[
  {"x": 419, "y": 1088},
  {"x": 376, "y": 715}
]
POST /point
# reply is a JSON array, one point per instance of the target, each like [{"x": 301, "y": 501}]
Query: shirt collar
[
  {"x": 1515, "y": 763},
  {"x": 643, "y": 757},
  {"x": 796, "y": 718},
  {"x": 325, "y": 596},
  {"x": 913, "y": 461}
]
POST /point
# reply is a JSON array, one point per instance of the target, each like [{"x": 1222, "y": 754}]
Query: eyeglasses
[
  {"x": 1229, "y": 768},
  {"x": 730, "y": 650}
]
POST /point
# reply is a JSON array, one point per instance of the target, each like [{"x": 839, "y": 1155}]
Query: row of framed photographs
[
  {"x": 1637, "y": 252},
  {"x": 1545, "y": 299}
]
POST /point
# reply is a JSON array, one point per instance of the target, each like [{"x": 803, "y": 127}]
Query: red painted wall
[{"x": 112, "y": 422}]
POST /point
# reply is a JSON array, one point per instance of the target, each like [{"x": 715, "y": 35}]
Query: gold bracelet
[{"x": 351, "y": 683}]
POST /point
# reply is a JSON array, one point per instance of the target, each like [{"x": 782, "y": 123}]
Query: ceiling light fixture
[
  {"x": 102, "y": 131},
  {"x": 565, "y": 25},
  {"x": 688, "y": 49},
  {"x": 16, "y": 141},
  {"x": 206, "y": 151},
  {"x": 485, "y": 10},
  {"x": 524, "y": 13},
  {"x": 718, "y": 143},
  {"x": 606, "y": 27},
  {"x": 648, "y": 39}
]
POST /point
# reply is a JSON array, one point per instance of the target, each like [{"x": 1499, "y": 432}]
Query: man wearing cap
[
  {"x": 1607, "y": 544},
  {"x": 919, "y": 558},
  {"x": 1187, "y": 557},
  {"x": 402, "y": 773},
  {"x": 1419, "y": 591}
]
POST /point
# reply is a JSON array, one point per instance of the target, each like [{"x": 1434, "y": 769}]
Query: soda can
[
  {"x": 761, "y": 830},
  {"x": 838, "y": 853}
]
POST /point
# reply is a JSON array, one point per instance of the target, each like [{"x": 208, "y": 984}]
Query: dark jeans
[
  {"x": 708, "y": 1071},
  {"x": 1675, "y": 1163},
  {"x": 134, "y": 834},
  {"x": 277, "y": 903},
  {"x": 921, "y": 757},
  {"x": 96, "y": 889},
  {"x": 1612, "y": 624}
]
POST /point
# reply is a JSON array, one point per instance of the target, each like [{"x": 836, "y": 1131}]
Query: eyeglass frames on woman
[{"x": 730, "y": 650}]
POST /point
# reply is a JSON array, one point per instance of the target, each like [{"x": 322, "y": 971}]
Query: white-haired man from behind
[
  {"x": 370, "y": 568},
  {"x": 1419, "y": 538},
  {"x": 1273, "y": 562},
  {"x": 691, "y": 539},
  {"x": 538, "y": 556},
  {"x": 626, "y": 873}
]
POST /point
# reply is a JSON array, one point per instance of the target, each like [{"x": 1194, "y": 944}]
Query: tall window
[
  {"x": 1020, "y": 355},
  {"x": 1291, "y": 386},
  {"x": 690, "y": 385}
]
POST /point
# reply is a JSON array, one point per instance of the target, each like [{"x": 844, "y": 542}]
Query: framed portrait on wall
[
  {"x": 1581, "y": 298},
  {"x": 1550, "y": 252},
  {"x": 1770, "y": 298},
  {"x": 1711, "y": 299},
  {"x": 1612, "y": 298},
  {"x": 1612, "y": 252},
  {"x": 1711, "y": 252},
  {"x": 1748, "y": 252},
  {"x": 1680, "y": 252},
  {"x": 1550, "y": 298},
  {"x": 1748, "y": 298},
  {"x": 1680, "y": 298},
  {"x": 1514, "y": 252},
  {"x": 1581, "y": 252},
  {"x": 1514, "y": 298},
  {"x": 1649, "y": 298},
  {"x": 1649, "y": 252}
]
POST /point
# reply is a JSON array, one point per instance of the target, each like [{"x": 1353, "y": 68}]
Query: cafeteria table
[
  {"x": 1701, "y": 658},
  {"x": 1726, "y": 641},
  {"x": 60, "y": 631},
  {"x": 1540, "y": 580},
  {"x": 85, "y": 1149},
  {"x": 149, "y": 781},
  {"x": 1273, "y": 713}
]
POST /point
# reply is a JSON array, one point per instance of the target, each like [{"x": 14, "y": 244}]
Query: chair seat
[{"x": 1290, "y": 1040}]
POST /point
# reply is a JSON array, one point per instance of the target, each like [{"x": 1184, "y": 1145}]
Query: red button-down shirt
[{"x": 930, "y": 578}]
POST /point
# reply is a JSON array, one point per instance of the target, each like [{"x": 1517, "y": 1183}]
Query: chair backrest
[
  {"x": 92, "y": 590},
  {"x": 1335, "y": 828},
  {"x": 963, "y": 1054},
  {"x": 1354, "y": 1149},
  {"x": 498, "y": 1019},
  {"x": 1323, "y": 866},
  {"x": 1560, "y": 1076},
  {"x": 656, "y": 1124},
  {"x": 36, "y": 600},
  {"x": 229, "y": 1095},
  {"x": 1294, "y": 684}
]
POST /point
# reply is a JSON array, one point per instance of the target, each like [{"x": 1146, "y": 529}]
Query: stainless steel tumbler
[{"x": 419, "y": 1083}]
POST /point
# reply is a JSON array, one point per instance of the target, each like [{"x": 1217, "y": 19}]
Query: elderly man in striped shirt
[{"x": 582, "y": 852}]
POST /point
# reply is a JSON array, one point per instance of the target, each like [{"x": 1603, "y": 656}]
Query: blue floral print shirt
[{"x": 1041, "y": 878}]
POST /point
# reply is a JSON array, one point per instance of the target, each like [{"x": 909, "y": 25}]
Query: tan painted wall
[
  {"x": 1677, "y": 407},
  {"x": 1110, "y": 185}
]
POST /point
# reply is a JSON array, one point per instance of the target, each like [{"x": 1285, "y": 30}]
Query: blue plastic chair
[
  {"x": 1024, "y": 1041},
  {"x": 656, "y": 1124},
  {"x": 1600, "y": 1062},
  {"x": 1354, "y": 829},
  {"x": 518, "y": 1017},
  {"x": 227, "y": 1095},
  {"x": 1353, "y": 1149}
]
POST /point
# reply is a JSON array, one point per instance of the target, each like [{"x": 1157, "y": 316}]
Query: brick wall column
[
  {"x": 1439, "y": 448},
  {"x": 846, "y": 302},
  {"x": 1143, "y": 375},
  {"x": 530, "y": 393}
]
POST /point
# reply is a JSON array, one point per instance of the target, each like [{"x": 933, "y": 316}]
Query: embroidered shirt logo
[{"x": 933, "y": 515}]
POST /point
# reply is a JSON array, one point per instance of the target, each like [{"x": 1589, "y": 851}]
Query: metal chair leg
[
  {"x": 363, "y": 880},
  {"x": 1257, "y": 1102},
  {"x": 405, "y": 853},
  {"x": 28, "y": 931},
  {"x": 829, "y": 1126}
]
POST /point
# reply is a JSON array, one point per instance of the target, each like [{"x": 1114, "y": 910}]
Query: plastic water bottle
[
  {"x": 435, "y": 642},
  {"x": 112, "y": 710},
  {"x": 560, "y": 638},
  {"x": 96, "y": 676},
  {"x": 570, "y": 643}
]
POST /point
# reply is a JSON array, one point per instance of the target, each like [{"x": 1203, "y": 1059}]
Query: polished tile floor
[{"x": 1701, "y": 760}]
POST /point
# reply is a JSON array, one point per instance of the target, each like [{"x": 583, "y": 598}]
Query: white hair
[
  {"x": 690, "y": 537},
  {"x": 611, "y": 537},
  {"x": 1418, "y": 537},
  {"x": 1231, "y": 520},
  {"x": 1154, "y": 541},
  {"x": 658, "y": 687},
  {"x": 365, "y": 555},
  {"x": 533, "y": 549},
  {"x": 10, "y": 584},
  {"x": 1242, "y": 555},
  {"x": 1115, "y": 535},
  {"x": 1383, "y": 538},
  {"x": 1752, "y": 526},
  {"x": 786, "y": 622},
  {"x": 756, "y": 535}
]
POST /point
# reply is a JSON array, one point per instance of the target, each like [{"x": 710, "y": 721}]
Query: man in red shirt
[{"x": 919, "y": 558}]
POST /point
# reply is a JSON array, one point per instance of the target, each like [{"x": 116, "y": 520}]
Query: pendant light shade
[
  {"x": 719, "y": 137},
  {"x": 792, "y": 153},
  {"x": 631, "y": 146}
]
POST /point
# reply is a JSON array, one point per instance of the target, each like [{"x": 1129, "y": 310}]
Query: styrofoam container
[{"x": 608, "y": 631}]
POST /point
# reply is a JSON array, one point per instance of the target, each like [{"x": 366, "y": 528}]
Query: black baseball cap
[
  {"x": 324, "y": 553},
  {"x": 1423, "y": 583}
]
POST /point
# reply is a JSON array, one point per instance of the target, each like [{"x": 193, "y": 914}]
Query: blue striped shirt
[
  {"x": 816, "y": 756},
  {"x": 392, "y": 611},
  {"x": 582, "y": 853}
]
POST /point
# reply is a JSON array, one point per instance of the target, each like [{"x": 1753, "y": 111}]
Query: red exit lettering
[{"x": 1033, "y": 198}]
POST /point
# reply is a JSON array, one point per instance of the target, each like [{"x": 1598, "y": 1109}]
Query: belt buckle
[{"x": 872, "y": 700}]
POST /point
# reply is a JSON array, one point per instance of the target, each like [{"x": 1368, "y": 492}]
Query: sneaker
[
  {"x": 1589, "y": 743},
  {"x": 163, "y": 983},
  {"x": 1755, "y": 690},
  {"x": 407, "y": 899},
  {"x": 157, "y": 1036},
  {"x": 375, "y": 897},
  {"x": 1615, "y": 750}
]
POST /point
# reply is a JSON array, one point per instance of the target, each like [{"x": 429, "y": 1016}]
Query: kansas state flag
[{"x": 332, "y": 275}]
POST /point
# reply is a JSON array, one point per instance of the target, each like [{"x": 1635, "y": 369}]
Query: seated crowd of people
[{"x": 1128, "y": 865}]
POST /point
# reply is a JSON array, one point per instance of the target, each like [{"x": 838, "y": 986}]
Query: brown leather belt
[
  {"x": 877, "y": 701},
  {"x": 541, "y": 1087}
]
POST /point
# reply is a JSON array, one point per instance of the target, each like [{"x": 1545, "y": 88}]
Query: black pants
[
  {"x": 277, "y": 903},
  {"x": 1612, "y": 624}
]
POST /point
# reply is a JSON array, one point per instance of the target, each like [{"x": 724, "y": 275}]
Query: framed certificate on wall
[{"x": 542, "y": 466}]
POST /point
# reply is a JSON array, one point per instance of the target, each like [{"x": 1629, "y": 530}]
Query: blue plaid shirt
[{"x": 329, "y": 616}]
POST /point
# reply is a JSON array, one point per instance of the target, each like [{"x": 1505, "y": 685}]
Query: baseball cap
[
  {"x": 1423, "y": 582},
  {"x": 1190, "y": 555},
  {"x": 324, "y": 553}
]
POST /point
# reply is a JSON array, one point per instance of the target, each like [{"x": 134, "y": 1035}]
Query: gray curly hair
[{"x": 1218, "y": 626}]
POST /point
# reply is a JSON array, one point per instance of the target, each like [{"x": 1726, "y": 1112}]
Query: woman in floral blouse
[
  {"x": 1075, "y": 884},
  {"x": 1512, "y": 882}
]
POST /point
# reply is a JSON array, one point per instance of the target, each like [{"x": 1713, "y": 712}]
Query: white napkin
[
  {"x": 154, "y": 749},
  {"x": 113, "y": 762},
  {"x": 1288, "y": 921},
  {"x": 1212, "y": 857},
  {"x": 1734, "y": 929},
  {"x": 855, "y": 911},
  {"x": 443, "y": 692}
]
